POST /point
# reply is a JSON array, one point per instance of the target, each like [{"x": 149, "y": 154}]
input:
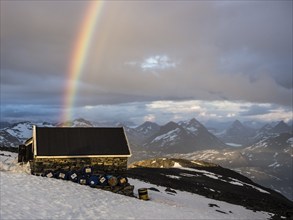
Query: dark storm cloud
[
  {"x": 36, "y": 37},
  {"x": 239, "y": 50},
  {"x": 30, "y": 112},
  {"x": 215, "y": 50},
  {"x": 26, "y": 88}
]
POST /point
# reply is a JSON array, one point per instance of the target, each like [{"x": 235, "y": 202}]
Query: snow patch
[
  {"x": 168, "y": 137},
  {"x": 275, "y": 164},
  {"x": 246, "y": 184},
  {"x": 177, "y": 165},
  {"x": 173, "y": 177}
]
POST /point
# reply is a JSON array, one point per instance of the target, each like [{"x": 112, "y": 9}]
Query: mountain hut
[{"x": 73, "y": 148}]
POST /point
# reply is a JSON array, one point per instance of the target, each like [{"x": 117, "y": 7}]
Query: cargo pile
[{"x": 114, "y": 183}]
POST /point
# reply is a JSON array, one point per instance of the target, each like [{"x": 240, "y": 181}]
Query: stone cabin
[{"x": 104, "y": 149}]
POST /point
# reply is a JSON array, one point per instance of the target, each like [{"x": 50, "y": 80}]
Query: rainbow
[{"x": 79, "y": 56}]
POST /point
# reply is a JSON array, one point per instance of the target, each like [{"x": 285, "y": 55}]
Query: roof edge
[{"x": 80, "y": 156}]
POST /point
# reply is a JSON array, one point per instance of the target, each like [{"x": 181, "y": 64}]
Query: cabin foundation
[{"x": 99, "y": 165}]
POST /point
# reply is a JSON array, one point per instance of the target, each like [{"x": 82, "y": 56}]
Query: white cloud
[
  {"x": 276, "y": 114},
  {"x": 154, "y": 63},
  {"x": 150, "y": 117},
  {"x": 160, "y": 112},
  {"x": 157, "y": 62}
]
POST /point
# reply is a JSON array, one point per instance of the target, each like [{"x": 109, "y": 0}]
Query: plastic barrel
[
  {"x": 62, "y": 175},
  {"x": 94, "y": 180},
  {"x": 143, "y": 194},
  {"x": 112, "y": 180},
  {"x": 82, "y": 180},
  {"x": 103, "y": 180},
  {"x": 122, "y": 181},
  {"x": 87, "y": 170},
  {"x": 73, "y": 176},
  {"x": 49, "y": 174}
]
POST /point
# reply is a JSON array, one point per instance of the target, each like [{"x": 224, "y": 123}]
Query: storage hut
[{"x": 73, "y": 148}]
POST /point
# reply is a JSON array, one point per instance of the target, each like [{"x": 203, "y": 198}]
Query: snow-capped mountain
[
  {"x": 272, "y": 130},
  {"x": 148, "y": 129},
  {"x": 182, "y": 137},
  {"x": 169, "y": 138},
  {"x": 79, "y": 122},
  {"x": 139, "y": 134},
  {"x": 18, "y": 133},
  {"x": 201, "y": 134},
  {"x": 193, "y": 126}
]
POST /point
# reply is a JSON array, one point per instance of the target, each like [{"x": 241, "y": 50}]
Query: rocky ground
[{"x": 211, "y": 181}]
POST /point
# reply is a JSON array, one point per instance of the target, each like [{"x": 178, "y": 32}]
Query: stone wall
[{"x": 99, "y": 164}]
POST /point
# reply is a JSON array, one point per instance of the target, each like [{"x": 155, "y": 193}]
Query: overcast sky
[{"x": 150, "y": 60}]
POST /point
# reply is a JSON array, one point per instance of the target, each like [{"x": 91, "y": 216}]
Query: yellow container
[{"x": 143, "y": 194}]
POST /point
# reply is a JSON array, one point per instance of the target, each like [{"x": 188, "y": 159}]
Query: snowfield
[{"x": 24, "y": 196}]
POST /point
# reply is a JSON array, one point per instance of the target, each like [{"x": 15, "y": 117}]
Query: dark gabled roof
[{"x": 77, "y": 141}]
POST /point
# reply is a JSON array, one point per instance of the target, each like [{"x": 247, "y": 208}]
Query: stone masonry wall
[{"x": 99, "y": 164}]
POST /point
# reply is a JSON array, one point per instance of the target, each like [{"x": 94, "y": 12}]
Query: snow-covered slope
[{"x": 24, "y": 196}]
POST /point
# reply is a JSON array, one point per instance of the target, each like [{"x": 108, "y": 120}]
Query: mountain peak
[
  {"x": 195, "y": 122},
  {"x": 79, "y": 122},
  {"x": 148, "y": 123},
  {"x": 171, "y": 124},
  {"x": 237, "y": 133},
  {"x": 281, "y": 123},
  {"x": 281, "y": 127},
  {"x": 237, "y": 123},
  {"x": 148, "y": 128}
]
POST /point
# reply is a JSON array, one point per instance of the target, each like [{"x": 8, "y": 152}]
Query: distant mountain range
[
  {"x": 263, "y": 154},
  {"x": 268, "y": 162}
]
